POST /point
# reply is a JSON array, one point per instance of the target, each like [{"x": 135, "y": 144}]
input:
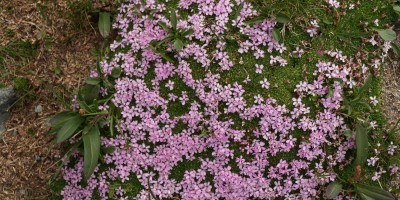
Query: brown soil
[
  {"x": 391, "y": 90},
  {"x": 63, "y": 57}
]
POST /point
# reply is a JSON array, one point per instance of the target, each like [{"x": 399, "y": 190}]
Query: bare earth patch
[
  {"x": 63, "y": 56},
  {"x": 391, "y": 91}
]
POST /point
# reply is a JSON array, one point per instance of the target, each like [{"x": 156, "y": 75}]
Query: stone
[
  {"x": 7, "y": 98},
  {"x": 39, "y": 109}
]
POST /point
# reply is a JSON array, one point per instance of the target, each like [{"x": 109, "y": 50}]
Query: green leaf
[
  {"x": 116, "y": 72},
  {"x": 163, "y": 25},
  {"x": 166, "y": 57},
  {"x": 330, "y": 91},
  {"x": 108, "y": 150},
  {"x": 104, "y": 24},
  {"x": 61, "y": 118},
  {"x": 282, "y": 18},
  {"x": 255, "y": 20},
  {"x": 93, "y": 80},
  {"x": 387, "y": 34},
  {"x": 333, "y": 190},
  {"x": 361, "y": 145},
  {"x": 372, "y": 192},
  {"x": 368, "y": 83},
  {"x": 396, "y": 9},
  {"x": 173, "y": 19},
  {"x": 327, "y": 21},
  {"x": 178, "y": 44},
  {"x": 91, "y": 143},
  {"x": 188, "y": 32},
  {"x": 84, "y": 106},
  {"x": 395, "y": 48},
  {"x": 89, "y": 93},
  {"x": 204, "y": 132},
  {"x": 69, "y": 128},
  {"x": 276, "y": 34},
  {"x": 365, "y": 197},
  {"x": 348, "y": 133}
]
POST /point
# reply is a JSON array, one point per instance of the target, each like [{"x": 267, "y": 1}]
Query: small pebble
[{"x": 38, "y": 108}]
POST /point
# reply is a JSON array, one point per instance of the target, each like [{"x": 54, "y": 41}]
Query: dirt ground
[
  {"x": 62, "y": 59},
  {"x": 391, "y": 90}
]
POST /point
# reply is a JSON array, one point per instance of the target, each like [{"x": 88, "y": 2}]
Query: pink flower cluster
[{"x": 147, "y": 145}]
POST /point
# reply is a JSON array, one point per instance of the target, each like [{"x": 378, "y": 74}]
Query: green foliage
[
  {"x": 387, "y": 34},
  {"x": 85, "y": 125},
  {"x": 175, "y": 36},
  {"x": 361, "y": 145},
  {"x": 21, "y": 86},
  {"x": 18, "y": 49},
  {"x": 368, "y": 192},
  {"x": 69, "y": 127},
  {"x": 91, "y": 142},
  {"x": 23, "y": 90},
  {"x": 333, "y": 190},
  {"x": 104, "y": 24}
]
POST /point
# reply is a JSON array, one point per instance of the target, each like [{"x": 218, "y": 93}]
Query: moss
[{"x": 21, "y": 86}]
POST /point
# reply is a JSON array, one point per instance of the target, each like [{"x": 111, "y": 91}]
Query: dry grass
[
  {"x": 390, "y": 100},
  {"x": 62, "y": 58},
  {"x": 391, "y": 91}
]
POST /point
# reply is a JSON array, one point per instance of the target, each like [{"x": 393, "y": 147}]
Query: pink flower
[
  {"x": 264, "y": 84},
  {"x": 259, "y": 68}
]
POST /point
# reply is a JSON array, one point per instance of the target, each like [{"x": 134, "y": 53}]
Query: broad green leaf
[
  {"x": 83, "y": 105},
  {"x": 327, "y": 21},
  {"x": 276, "y": 34},
  {"x": 111, "y": 118},
  {"x": 188, "y": 32},
  {"x": 116, "y": 72},
  {"x": 348, "y": 133},
  {"x": 93, "y": 80},
  {"x": 108, "y": 150},
  {"x": 368, "y": 83},
  {"x": 204, "y": 132},
  {"x": 69, "y": 128},
  {"x": 173, "y": 19},
  {"x": 255, "y": 20},
  {"x": 163, "y": 25},
  {"x": 104, "y": 24},
  {"x": 395, "y": 48},
  {"x": 333, "y": 190},
  {"x": 89, "y": 93},
  {"x": 396, "y": 9},
  {"x": 330, "y": 91},
  {"x": 365, "y": 197},
  {"x": 282, "y": 18},
  {"x": 91, "y": 144},
  {"x": 373, "y": 192},
  {"x": 387, "y": 34},
  {"x": 61, "y": 118},
  {"x": 178, "y": 44},
  {"x": 166, "y": 57},
  {"x": 361, "y": 145}
]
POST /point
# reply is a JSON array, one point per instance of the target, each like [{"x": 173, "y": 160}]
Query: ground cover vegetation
[{"x": 199, "y": 99}]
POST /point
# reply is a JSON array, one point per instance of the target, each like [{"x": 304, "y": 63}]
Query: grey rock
[
  {"x": 7, "y": 98},
  {"x": 38, "y": 109}
]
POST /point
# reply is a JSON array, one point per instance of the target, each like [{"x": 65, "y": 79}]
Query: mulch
[{"x": 28, "y": 156}]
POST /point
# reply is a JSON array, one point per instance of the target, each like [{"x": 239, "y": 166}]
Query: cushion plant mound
[{"x": 206, "y": 103}]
